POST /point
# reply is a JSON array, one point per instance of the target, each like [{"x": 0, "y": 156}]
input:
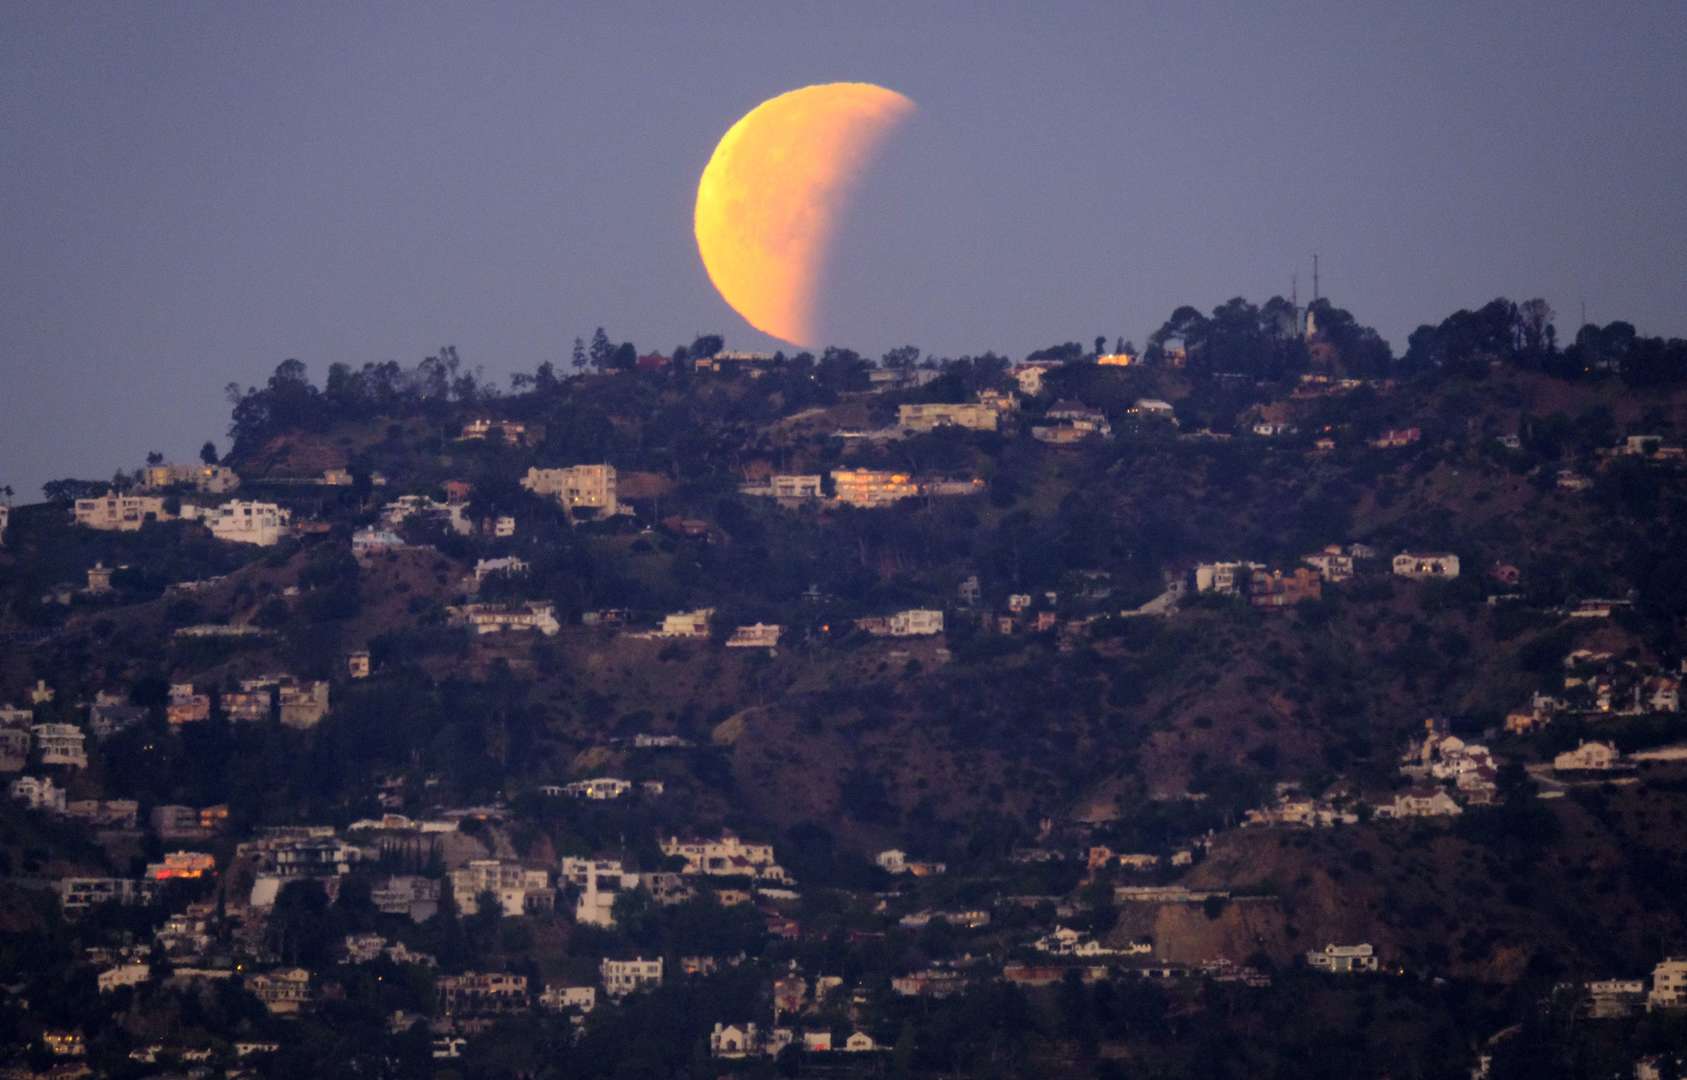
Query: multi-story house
[
  {"x": 755, "y": 636},
  {"x": 495, "y": 618},
  {"x": 580, "y": 487},
  {"x": 724, "y": 855},
  {"x": 206, "y": 479},
  {"x": 518, "y": 889},
  {"x": 872, "y": 487},
  {"x": 480, "y": 993},
  {"x": 1438, "y": 565},
  {"x": 928, "y": 417},
  {"x": 240, "y": 522},
  {"x": 623, "y": 977},
  {"x": 915, "y": 622},
  {"x": 37, "y": 793},
  {"x": 185, "y": 706},
  {"x": 559, "y": 998},
  {"x": 303, "y": 704},
  {"x": 1342, "y": 959},
  {"x": 283, "y": 992},
  {"x": 14, "y": 748},
  {"x": 120, "y": 513},
  {"x": 1669, "y": 985}
]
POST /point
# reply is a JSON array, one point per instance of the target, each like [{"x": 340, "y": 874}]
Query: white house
[
  {"x": 755, "y": 636},
  {"x": 1589, "y": 757},
  {"x": 724, "y": 856},
  {"x": 537, "y": 615},
  {"x": 1420, "y": 802},
  {"x": 686, "y": 624},
  {"x": 1421, "y": 565},
  {"x": 510, "y": 565},
  {"x": 622, "y": 977},
  {"x": 519, "y": 890},
  {"x": 559, "y": 998},
  {"x": 59, "y": 744},
  {"x": 580, "y": 487},
  {"x": 120, "y": 513},
  {"x": 598, "y": 789},
  {"x": 240, "y": 522},
  {"x": 893, "y": 860},
  {"x": 1342, "y": 959},
  {"x": 38, "y": 793},
  {"x": 1669, "y": 985},
  {"x": 123, "y": 975}
]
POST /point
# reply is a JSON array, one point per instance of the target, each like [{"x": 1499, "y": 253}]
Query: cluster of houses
[{"x": 1597, "y": 685}]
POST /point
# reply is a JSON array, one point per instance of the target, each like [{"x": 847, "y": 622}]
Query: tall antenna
[{"x": 1315, "y": 279}]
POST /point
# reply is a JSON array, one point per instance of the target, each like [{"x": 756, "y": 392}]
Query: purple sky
[{"x": 194, "y": 192}]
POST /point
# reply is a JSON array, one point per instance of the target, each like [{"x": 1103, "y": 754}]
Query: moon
[{"x": 769, "y": 200}]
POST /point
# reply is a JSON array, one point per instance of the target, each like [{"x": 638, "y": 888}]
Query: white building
[
  {"x": 686, "y": 624},
  {"x": 581, "y": 487},
  {"x": 494, "y": 618},
  {"x": 123, "y": 975},
  {"x": 1420, "y": 802},
  {"x": 599, "y": 788},
  {"x": 755, "y": 636},
  {"x": 59, "y": 744},
  {"x": 38, "y": 793},
  {"x": 509, "y": 565},
  {"x": 622, "y": 977},
  {"x": 205, "y": 479},
  {"x": 1420, "y": 565},
  {"x": 725, "y": 855},
  {"x": 559, "y": 998},
  {"x": 120, "y": 513},
  {"x": 872, "y": 487},
  {"x": 972, "y": 416},
  {"x": 1669, "y": 985},
  {"x": 1332, "y": 563},
  {"x": 240, "y": 522},
  {"x": 81, "y": 893},
  {"x": 1589, "y": 757},
  {"x": 519, "y": 890},
  {"x": 1342, "y": 959},
  {"x": 915, "y": 622}
]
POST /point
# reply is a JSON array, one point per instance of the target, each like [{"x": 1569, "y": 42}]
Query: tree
[
  {"x": 901, "y": 358},
  {"x": 208, "y": 452},
  {"x": 154, "y": 457},
  {"x": 601, "y": 349},
  {"x": 1100, "y": 344},
  {"x": 579, "y": 354},
  {"x": 705, "y": 345}
]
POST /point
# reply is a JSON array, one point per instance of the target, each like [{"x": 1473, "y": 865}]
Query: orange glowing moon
[{"x": 769, "y": 200}]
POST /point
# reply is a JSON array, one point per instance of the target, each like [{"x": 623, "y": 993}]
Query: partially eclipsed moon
[{"x": 770, "y": 197}]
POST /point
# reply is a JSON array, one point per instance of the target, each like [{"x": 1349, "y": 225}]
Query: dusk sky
[{"x": 195, "y": 192}]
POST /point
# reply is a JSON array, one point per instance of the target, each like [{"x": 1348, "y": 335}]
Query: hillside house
[
  {"x": 1426, "y": 565},
  {"x": 623, "y": 977},
  {"x": 1662, "y": 694},
  {"x": 1420, "y": 802},
  {"x": 1153, "y": 409},
  {"x": 598, "y": 789},
  {"x": 685, "y": 624},
  {"x": 423, "y": 508},
  {"x": 1332, "y": 564},
  {"x": 754, "y": 364},
  {"x": 915, "y": 622},
  {"x": 755, "y": 636},
  {"x": 1342, "y": 959},
  {"x": 59, "y": 744},
  {"x": 1669, "y": 985},
  {"x": 303, "y": 704},
  {"x": 726, "y": 855},
  {"x": 973, "y": 416},
  {"x": 872, "y": 487},
  {"x": 518, "y": 889},
  {"x": 1030, "y": 375},
  {"x": 539, "y": 615},
  {"x": 261, "y": 523},
  {"x": 480, "y": 993},
  {"x": 509, "y": 566},
  {"x": 205, "y": 479},
  {"x": 104, "y": 813},
  {"x": 785, "y": 486},
  {"x": 357, "y": 664},
  {"x": 1277, "y": 589},
  {"x": 120, "y": 513},
  {"x": 183, "y": 865},
  {"x": 1225, "y": 578},
  {"x": 410, "y": 895},
  {"x": 480, "y": 429},
  {"x": 284, "y": 992},
  {"x": 37, "y": 793},
  {"x": 14, "y": 748},
  {"x": 1394, "y": 438},
  {"x": 368, "y": 542},
  {"x": 1588, "y": 757},
  {"x": 579, "y": 487},
  {"x": 562, "y": 998}
]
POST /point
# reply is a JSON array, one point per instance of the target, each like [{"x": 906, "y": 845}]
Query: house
[
  {"x": 872, "y": 487},
  {"x": 1669, "y": 985},
  {"x": 727, "y": 855},
  {"x": 1071, "y": 422},
  {"x": 186, "y": 707},
  {"x": 410, "y": 895},
  {"x": 59, "y": 744},
  {"x": 561, "y": 998},
  {"x": 14, "y": 748},
  {"x": 1284, "y": 590},
  {"x": 537, "y": 615},
  {"x": 579, "y": 487},
  {"x": 859, "y": 1042},
  {"x": 518, "y": 889},
  {"x": 303, "y": 704},
  {"x": 240, "y": 522},
  {"x": 188, "y": 865},
  {"x": 119, "y": 513},
  {"x": 1662, "y": 694},
  {"x": 1030, "y": 375},
  {"x": 423, "y": 508},
  {"x": 1342, "y": 959},
  {"x": 623, "y": 977},
  {"x": 1438, "y": 565},
  {"x": 37, "y": 793},
  {"x": 480, "y": 993},
  {"x": 601, "y": 788},
  {"x": 509, "y": 566},
  {"x": 123, "y": 975},
  {"x": 1332, "y": 563},
  {"x": 755, "y": 636},
  {"x": 511, "y": 432},
  {"x": 686, "y": 624},
  {"x": 1570, "y": 480},
  {"x": 915, "y": 622},
  {"x": 357, "y": 664},
  {"x": 785, "y": 486},
  {"x": 111, "y": 713},
  {"x": 1270, "y": 429},
  {"x": 1588, "y": 757},
  {"x": 735, "y": 1041},
  {"x": 367, "y": 542},
  {"x": 972, "y": 416},
  {"x": 205, "y": 479},
  {"x": 1420, "y": 802},
  {"x": 81, "y": 893},
  {"x": 755, "y": 364},
  {"x": 284, "y": 992},
  {"x": 1225, "y": 578},
  {"x": 104, "y": 813},
  {"x": 1153, "y": 409},
  {"x": 1392, "y": 438}
]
